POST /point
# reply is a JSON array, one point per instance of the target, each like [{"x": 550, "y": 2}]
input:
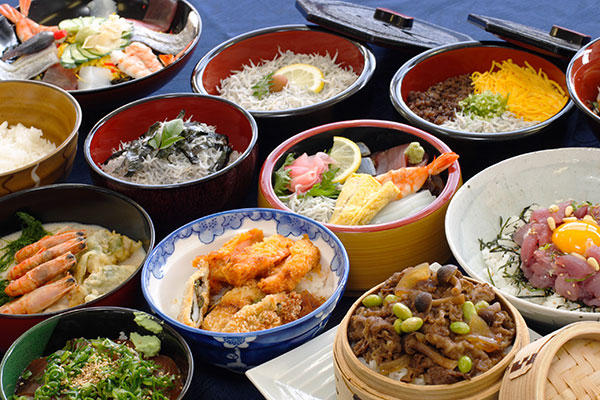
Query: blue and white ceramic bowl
[{"x": 169, "y": 265}]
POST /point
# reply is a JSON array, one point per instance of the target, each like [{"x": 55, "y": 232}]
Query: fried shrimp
[
  {"x": 273, "y": 310},
  {"x": 304, "y": 256},
  {"x": 256, "y": 260},
  {"x": 253, "y": 284}
]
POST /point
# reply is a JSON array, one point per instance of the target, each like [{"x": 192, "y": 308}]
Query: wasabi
[
  {"x": 145, "y": 321},
  {"x": 148, "y": 345}
]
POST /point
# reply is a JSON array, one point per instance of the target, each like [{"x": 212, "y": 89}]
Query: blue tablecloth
[{"x": 222, "y": 20}]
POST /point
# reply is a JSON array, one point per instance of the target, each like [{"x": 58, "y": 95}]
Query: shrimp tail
[
  {"x": 441, "y": 163},
  {"x": 24, "y": 6}
]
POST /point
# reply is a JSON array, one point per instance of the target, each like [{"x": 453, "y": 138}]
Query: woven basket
[
  {"x": 562, "y": 365},
  {"x": 355, "y": 380}
]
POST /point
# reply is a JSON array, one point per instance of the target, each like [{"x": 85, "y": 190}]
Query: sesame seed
[
  {"x": 568, "y": 211},
  {"x": 551, "y": 223},
  {"x": 553, "y": 208},
  {"x": 593, "y": 263}
]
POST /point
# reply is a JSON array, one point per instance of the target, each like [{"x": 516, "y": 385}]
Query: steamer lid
[
  {"x": 559, "y": 42},
  {"x": 378, "y": 26}
]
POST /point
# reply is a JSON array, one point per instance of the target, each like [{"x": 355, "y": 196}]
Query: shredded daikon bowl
[
  {"x": 238, "y": 86},
  {"x": 20, "y": 146}
]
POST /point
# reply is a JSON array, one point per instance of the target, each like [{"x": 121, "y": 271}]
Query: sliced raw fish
[
  {"x": 30, "y": 65},
  {"x": 168, "y": 43},
  {"x": 60, "y": 76}
]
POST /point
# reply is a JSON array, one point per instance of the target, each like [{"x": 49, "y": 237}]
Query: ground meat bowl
[{"x": 427, "y": 331}]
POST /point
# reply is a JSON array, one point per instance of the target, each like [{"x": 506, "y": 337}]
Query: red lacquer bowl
[
  {"x": 265, "y": 44},
  {"x": 436, "y": 65},
  {"x": 170, "y": 206},
  {"x": 85, "y": 204},
  {"x": 583, "y": 79}
]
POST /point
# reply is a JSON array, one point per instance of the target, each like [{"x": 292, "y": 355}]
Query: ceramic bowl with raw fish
[
  {"x": 39, "y": 127},
  {"x": 484, "y": 92},
  {"x": 244, "y": 286},
  {"x": 100, "y": 50},
  {"x": 68, "y": 246},
  {"x": 381, "y": 186},
  {"x": 533, "y": 233}
]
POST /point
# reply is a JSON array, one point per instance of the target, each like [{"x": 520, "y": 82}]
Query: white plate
[{"x": 305, "y": 373}]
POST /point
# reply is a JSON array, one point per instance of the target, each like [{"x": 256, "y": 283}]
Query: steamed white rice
[
  {"x": 238, "y": 86},
  {"x": 20, "y": 146},
  {"x": 504, "y": 123}
]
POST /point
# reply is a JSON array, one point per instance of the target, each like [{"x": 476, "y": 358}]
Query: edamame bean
[
  {"x": 468, "y": 310},
  {"x": 401, "y": 311},
  {"x": 372, "y": 300},
  {"x": 397, "y": 324},
  {"x": 411, "y": 324},
  {"x": 390, "y": 298},
  {"x": 460, "y": 328},
  {"x": 465, "y": 364},
  {"x": 481, "y": 304}
]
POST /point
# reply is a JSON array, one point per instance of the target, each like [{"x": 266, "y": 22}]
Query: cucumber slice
[
  {"x": 69, "y": 25},
  {"x": 76, "y": 54},
  {"x": 66, "y": 59},
  {"x": 88, "y": 54}
]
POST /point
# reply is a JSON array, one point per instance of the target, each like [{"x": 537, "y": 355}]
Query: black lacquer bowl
[
  {"x": 84, "y": 204},
  {"x": 107, "y": 98},
  {"x": 91, "y": 323}
]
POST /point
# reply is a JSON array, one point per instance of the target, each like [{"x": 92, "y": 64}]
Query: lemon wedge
[
  {"x": 347, "y": 158},
  {"x": 303, "y": 75}
]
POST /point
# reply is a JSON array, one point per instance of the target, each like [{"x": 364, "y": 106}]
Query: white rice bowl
[{"x": 505, "y": 189}]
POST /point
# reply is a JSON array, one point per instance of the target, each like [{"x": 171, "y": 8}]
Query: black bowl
[
  {"x": 52, "y": 12},
  {"x": 91, "y": 323},
  {"x": 85, "y": 204}
]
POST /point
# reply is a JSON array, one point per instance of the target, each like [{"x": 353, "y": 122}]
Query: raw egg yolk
[{"x": 576, "y": 236}]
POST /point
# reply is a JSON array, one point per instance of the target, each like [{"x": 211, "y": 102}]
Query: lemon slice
[
  {"x": 303, "y": 75},
  {"x": 347, "y": 157}
]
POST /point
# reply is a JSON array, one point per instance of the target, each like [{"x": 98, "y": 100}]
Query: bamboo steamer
[
  {"x": 355, "y": 380},
  {"x": 562, "y": 365}
]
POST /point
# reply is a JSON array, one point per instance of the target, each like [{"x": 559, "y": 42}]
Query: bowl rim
[
  {"x": 454, "y": 173},
  {"x": 517, "y": 302},
  {"x": 139, "y": 186},
  {"x": 92, "y": 188},
  {"x": 359, "y": 83},
  {"x": 126, "y": 310},
  {"x": 190, "y": 48},
  {"x": 337, "y": 293},
  {"x": 571, "y": 84},
  {"x": 74, "y": 132},
  {"x": 403, "y": 109}
]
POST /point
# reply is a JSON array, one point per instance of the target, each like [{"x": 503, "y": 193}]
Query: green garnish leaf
[
  {"x": 326, "y": 187},
  {"x": 580, "y": 279},
  {"x": 169, "y": 134},
  {"x": 282, "y": 177},
  {"x": 4, "y": 298},
  {"x": 485, "y": 105},
  {"x": 31, "y": 231},
  {"x": 262, "y": 87},
  {"x": 26, "y": 374}
]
